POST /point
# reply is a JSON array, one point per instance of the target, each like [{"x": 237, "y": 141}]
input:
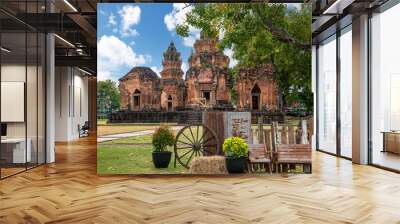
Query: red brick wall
[{"x": 149, "y": 96}]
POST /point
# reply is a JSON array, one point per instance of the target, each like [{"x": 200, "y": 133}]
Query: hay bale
[{"x": 208, "y": 165}]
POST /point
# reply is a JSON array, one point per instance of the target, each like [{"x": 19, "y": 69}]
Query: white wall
[
  {"x": 12, "y": 73},
  {"x": 71, "y": 102}
]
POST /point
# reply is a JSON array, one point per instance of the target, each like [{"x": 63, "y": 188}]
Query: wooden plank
[
  {"x": 284, "y": 134},
  {"x": 267, "y": 138},
  {"x": 215, "y": 121},
  {"x": 291, "y": 135}
]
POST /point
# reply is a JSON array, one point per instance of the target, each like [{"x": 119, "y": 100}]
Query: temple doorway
[
  {"x": 169, "y": 103},
  {"x": 255, "y": 97},
  {"x": 206, "y": 96},
  {"x": 136, "y": 100}
]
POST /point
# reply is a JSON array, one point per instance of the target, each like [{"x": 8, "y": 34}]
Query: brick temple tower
[
  {"x": 208, "y": 77},
  {"x": 257, "y": 88},
  {"x": 172, "y": 84}
]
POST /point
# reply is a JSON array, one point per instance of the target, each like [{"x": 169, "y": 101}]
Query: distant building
[
  {"x": 207, "y": 83},
  {"x": 140, "y": 90}
]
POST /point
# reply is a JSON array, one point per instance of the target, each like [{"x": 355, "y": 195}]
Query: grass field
[{"x": 131, "y": 156}]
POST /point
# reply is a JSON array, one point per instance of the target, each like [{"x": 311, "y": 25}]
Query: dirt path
[{"x": 106, "y": 138}]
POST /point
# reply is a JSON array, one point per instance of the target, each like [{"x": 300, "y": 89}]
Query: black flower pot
[
  {"x": 161, "y": 159},
  {"x": 235, "y": 165}
]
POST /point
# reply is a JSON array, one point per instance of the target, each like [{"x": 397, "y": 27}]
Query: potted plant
[
  {"x": 236, "y": 151},
  {"x": 162, "y": 138}
]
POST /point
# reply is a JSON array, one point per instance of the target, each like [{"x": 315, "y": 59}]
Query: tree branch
[
  {"x": 281, "y": 34},
  {"x": 284, "y": 36}
]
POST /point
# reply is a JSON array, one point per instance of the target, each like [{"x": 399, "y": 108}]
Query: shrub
[
  {"x": 235, "y": 147},
  {"x": 162, "y": 138}
]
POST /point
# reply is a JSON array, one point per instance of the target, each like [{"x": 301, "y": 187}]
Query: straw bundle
[{"x": 208, "y": 165}]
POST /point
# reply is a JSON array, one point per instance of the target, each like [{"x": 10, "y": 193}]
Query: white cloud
[
  {"x": 113, "y": 54},
  {"x": 221, "y": 34},
  {"x": 232, "y": 62},
  {"x": 178, "y": 16},
  {"x": 191, "y": 39},
  {"x": 130, "y": 16},
  {"x": 293, "y": 6},
  {"x": 111, "y": 20},
  {"x": 184, "y": 67},
  {"x": 156, "y": 70},
  {"x": 148, "y": 58},
  {"x": 129, "y": 32},
  {"x": 104, "y": 75}
]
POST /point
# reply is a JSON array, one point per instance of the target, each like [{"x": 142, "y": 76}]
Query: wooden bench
[
  {"x": 259, "y": 157},
  {"x": 293, "y": 154}
]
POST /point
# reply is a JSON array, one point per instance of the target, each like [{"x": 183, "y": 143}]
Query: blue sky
[{"x": 131, "y": 35}]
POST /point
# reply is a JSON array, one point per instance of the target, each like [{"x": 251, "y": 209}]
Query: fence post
[
  {"x": 292, "y": 135},
  {"x": 274, "y": 134},
  {"x": 304, "y": 137},
  {"x": 260, "y": 130}
]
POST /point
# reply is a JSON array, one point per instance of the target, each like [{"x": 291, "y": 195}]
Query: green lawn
[{"x": 131, "y": 156}]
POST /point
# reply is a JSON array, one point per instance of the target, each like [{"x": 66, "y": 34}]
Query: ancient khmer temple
[
  {"x": 208, "y": 78},
  {"x": 207, "y": 83}
]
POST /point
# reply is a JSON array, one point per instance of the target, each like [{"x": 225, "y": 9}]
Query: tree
[
  {"x": 108, "y": 90},
  {"x": 261, "y": 33}
]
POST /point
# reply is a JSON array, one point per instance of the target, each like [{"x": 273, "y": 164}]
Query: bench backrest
[
  {"x": 301, "y": 152},
  {"x": 293, "y": 148},
  {"x": 256, "y": 151}
]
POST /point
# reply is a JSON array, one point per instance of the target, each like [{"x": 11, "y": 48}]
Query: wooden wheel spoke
[
  {"x": 188, "y": 147},
  {"x": 211, "y": 138},
  {"x": 204, "y": 134},
  {"x": 185, "y": 143},
  {"x": 197, "y": 133},
  {"x": 207, "y": 146},
  {"x": 184, "y": 154},
  {"x": 187, "y": 138},
  {"x": 191, "y": 133},
  {"x": 206, "y": 150},
  {"x": 190, "y": 158}
]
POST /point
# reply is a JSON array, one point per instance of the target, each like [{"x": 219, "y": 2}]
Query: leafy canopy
[{"x": 261, "y": 33}]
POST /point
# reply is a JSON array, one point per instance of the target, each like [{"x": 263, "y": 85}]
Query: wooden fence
[{"x": 282, "y": 134}]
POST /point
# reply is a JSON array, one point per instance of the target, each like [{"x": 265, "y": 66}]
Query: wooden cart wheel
[{"x": 194, "y": 140}]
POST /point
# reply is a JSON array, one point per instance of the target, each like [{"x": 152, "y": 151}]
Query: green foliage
[
  {"x": 247, "y": 30},
  {"x": 108, "y": 92},
  {"x": 235, "y": 147},
  {"x": 162, "y": 138}
]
